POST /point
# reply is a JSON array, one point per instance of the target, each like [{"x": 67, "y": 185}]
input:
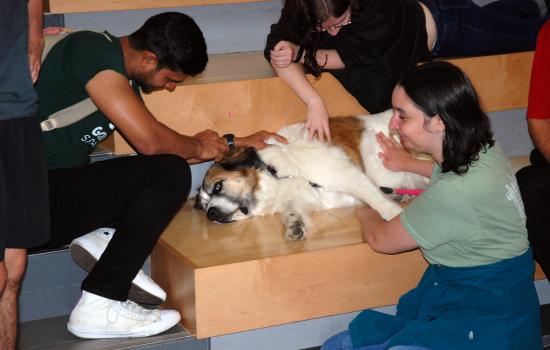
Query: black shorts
[{"x": 24, "y": 204}]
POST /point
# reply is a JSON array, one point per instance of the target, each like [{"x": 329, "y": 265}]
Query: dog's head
[{"x": 227, "y": 191}]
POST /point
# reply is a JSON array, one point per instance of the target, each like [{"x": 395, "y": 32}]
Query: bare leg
[{"x": 11, "y": 271}]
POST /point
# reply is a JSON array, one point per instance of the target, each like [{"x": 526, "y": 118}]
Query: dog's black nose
[{"x": 212, "y": 213}]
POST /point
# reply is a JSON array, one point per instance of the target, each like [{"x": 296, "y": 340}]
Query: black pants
[
  {"x": 139, "y": 194},
  {"x": 534, "y": 183}
]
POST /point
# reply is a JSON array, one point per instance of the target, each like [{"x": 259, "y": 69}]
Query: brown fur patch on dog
[{"x": 346, "y": 133}]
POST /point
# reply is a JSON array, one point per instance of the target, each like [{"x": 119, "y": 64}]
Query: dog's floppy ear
[{"x": 240, "y": 158}]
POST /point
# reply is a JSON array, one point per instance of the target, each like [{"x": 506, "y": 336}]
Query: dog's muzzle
[{"x": 216, "y": 215}]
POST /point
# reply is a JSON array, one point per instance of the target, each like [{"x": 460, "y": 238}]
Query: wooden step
[
  {"x": 242, "y": 276},
  {"x": 78, "y": 6},
  {"x": 240, "y": 94}
]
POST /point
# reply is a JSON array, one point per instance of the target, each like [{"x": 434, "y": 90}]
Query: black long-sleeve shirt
[{"x": 376, "y": 48}]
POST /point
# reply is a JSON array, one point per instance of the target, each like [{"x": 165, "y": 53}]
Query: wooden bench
[
  {"x": 79, "y": 6},
  {"x": 241, "y": 276}
]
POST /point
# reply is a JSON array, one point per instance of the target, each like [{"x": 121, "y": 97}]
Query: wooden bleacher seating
[
  {"x": 78, "y": 6},
  {"x": 241, "y": 276}
]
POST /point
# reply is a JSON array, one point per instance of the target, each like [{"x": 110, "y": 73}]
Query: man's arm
[
  {"x": 539, "y": 129},
  {"x": 115, "y": 98},
  {"x": 36, "y": 39}
]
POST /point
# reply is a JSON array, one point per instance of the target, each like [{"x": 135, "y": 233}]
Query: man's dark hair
[
  {"x": 175, "y": 39},
  {"x": 441, "y": 88}
]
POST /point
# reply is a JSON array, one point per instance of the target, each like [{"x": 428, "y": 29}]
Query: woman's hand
[
  {"x": 283, "y": 53},
  {"x": 317, "y": 120},
  {"x": 395, "y": 156},
  {"x": 257, "y": 140}
]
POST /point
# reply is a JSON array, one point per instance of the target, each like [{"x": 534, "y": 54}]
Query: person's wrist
[
  {"x": 408, "y": 164},
  {"x": 239, "y": 141},
  {"x": 299, "y": 55},
  {"x": 230, "y": 139},
  {"x": 314, "y": 99},
  {"x": 201, "y": 146}
]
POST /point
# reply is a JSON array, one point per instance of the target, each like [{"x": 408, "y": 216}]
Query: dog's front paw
[{"x": 295, "y": 231}]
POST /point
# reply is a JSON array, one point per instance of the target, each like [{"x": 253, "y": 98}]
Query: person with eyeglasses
[{"x": 368, "y": 44}]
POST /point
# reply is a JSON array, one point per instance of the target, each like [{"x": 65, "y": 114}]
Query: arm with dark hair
[
  {"x": 115, "y": 98},
  {"x": 538, "y": 111},
  {"x": 36, "y": 39},
  {"x": 539, "y": 129}
]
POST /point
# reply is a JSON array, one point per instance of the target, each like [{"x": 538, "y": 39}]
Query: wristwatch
[{"x": 230, "y": 142}]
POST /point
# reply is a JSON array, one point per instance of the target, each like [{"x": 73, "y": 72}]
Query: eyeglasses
[{"x": 333, "y": 27}]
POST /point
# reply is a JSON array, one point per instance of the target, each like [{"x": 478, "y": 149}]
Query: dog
[{"x": 304, "y": 176}]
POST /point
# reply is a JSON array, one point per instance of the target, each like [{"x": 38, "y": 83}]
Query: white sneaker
[
  {"x": 87, "y": 250},
  {"x": 98, "y": 317}
]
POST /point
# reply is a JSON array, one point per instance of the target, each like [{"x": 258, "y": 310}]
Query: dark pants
[
  {"x": 466, "y": 29},
  {"x": 534, "y": 183},
  {"x": 139, "y": 194}
]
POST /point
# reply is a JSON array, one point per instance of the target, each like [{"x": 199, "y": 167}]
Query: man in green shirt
[{"x": 135, "y": 196}]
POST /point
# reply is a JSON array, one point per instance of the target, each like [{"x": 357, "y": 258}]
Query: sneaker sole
[
  {"x": 87, "y": 261},
  {"x": 146, "y": 331}
]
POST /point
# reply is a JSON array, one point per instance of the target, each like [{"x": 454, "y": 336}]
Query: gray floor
[{"x": 52, "y": 333}]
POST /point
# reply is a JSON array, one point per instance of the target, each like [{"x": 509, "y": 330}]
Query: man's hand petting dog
[
  {"x": 211, "y": 145},
  {"x": 257, "y": 140}
]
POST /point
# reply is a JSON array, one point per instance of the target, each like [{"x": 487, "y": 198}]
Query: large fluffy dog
[{"x": 303, "y": 176}]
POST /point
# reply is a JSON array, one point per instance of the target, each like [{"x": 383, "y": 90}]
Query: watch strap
[
  {"x": 230, "y": 141},
  {"x": 299, "y": 55}
]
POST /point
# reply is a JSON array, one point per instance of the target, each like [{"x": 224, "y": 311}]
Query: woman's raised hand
[
  {"x": 283, "y": 53},
  {"x": 395, "y": 156},
  {"x": 317, "y": 121}
]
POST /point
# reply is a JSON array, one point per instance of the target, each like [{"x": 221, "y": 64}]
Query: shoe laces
[
  {"x": 131, "y": 310},
  {"x": 106, "y": 233}
]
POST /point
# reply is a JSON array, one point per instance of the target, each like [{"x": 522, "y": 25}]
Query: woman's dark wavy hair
[
  {"x": 303, "y": 18},
  {"x": 441, "y": 88},
  {"x": 175, "y": 39}
]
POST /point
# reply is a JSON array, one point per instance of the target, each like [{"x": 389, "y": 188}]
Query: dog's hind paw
[
  {"x": 400, "y": 197},
  {"x": 295, "y": 231}
]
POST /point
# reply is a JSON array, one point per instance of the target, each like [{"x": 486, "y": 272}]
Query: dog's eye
[{"x": 217, "y": 187}]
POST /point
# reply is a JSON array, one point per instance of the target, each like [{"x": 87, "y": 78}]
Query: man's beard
[{"x": 142, "y": 81}]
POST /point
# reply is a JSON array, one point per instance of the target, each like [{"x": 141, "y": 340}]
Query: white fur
[{"x": 303, "y": 162}]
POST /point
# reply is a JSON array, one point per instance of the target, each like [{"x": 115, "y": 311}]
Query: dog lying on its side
[{"x": 303, "y": 176}]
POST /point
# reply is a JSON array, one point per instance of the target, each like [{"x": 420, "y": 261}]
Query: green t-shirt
[
  {"x": 69, "y": 66},
  {"x": 470, "y": 220}
]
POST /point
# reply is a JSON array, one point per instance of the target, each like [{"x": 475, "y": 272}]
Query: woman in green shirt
[{"x": 478, "y": 292}]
